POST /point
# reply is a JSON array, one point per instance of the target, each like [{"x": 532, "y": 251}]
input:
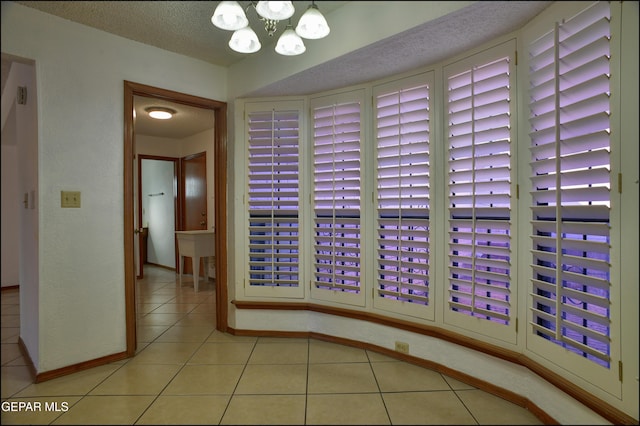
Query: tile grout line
[
  {"x": 384, "y": 403},
  {"x": 306, "y": 393},
  {"x": 233, "y": 392}
]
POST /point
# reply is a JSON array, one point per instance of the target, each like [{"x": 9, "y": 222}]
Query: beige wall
[{"x": 80, "y": 73}]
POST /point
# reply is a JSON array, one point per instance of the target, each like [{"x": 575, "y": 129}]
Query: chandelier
[{"x": 229, "y": 15}]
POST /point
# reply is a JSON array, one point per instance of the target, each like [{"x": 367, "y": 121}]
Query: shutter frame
[
  {"x": 571, "y": 187},
  {"x": 337, "y": 160},
  {"x": 273, "y": 202},
  {"x": 402, "y": 126},
  {"x": 479, "y": 188}
]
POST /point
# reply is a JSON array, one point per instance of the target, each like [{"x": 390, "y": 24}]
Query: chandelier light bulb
[
  {"x": 290, "y": 44},
  {"x": 275, "y": 6},
  {"x": 245, "y": 40},
  {"x": 312, "y": 24},
  {"x": 229, "y": 16},
  {"x": 229, "y": 20},
  {"x": 276, "y": 10}
]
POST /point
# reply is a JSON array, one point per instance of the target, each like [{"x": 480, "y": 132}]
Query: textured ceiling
[
  {"x": 185, "y": 27},
  {"x": 178, "y": 26},
  {"x": 426, "y": 44}
]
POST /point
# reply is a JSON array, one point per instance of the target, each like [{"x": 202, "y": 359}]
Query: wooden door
[{"x": 194, "y": 203}]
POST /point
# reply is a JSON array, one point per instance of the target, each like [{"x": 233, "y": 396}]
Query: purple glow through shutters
[
  {"x": 571, "y": 183},
  {"x": 273, "y": 198},
  {"x": 336, "y": 194},
  {"x": 479, "y": 160},
  {"x": 402, "y": 135}
]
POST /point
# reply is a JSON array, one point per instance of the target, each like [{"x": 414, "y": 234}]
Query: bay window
[{"x": 459, "y": 199}]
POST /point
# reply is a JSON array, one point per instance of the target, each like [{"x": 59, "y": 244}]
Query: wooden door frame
[{"x": 219, "y": 108}]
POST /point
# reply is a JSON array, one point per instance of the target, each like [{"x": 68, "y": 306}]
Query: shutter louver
[
  {"x": 273, "y": 198},
  {"x": 337, "y": 225},
  {"x": 402, "y": 125},
  {"x": 480, "y": 191},
  {"x": 570, "y": 135}
]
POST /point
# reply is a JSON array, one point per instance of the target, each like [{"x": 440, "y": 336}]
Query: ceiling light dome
[{"x": 160, "y": 113}]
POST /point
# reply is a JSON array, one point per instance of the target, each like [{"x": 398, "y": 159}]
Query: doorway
[
  {"x": 157, "y": 211},
  {"x": 219, "y": 194},
  {"x": 172, "y": 196}
]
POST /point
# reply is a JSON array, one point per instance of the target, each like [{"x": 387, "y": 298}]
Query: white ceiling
[{"x": 185, "y": 27}]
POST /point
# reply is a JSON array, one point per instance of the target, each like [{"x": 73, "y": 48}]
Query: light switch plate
[{"x": 70, "y": 199}]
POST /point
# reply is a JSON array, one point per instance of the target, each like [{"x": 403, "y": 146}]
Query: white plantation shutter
[
  {"x": 571, "y": 182},
  {"x": 336, "y": 196},
  {"x": 273, "y": 201},
  {"x": 402, "y": 136},
  {"x": 479, "y": 105}
]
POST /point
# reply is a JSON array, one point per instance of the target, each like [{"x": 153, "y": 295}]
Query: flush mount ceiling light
[
  {"x": 230, "y": 16},
  {"x": 160, "y": 113}
]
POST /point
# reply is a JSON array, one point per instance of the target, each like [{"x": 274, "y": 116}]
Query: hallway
[{"x": 186, "y": 372}]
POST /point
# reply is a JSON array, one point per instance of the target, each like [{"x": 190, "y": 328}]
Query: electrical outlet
[{"x": 402, "y": 347}]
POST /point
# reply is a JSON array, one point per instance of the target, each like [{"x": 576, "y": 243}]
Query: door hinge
[
  {"x": 516, "y": 57},
  {"x": 517, "y": 191},
  {"x": 619, "y": 183},
  {"x": 21, "y": 95},
  {"x": 620, "y": 371},
  {"x": 516, "y": 325}
]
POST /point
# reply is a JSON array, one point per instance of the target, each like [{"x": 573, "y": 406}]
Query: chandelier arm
[
  {"x": 270, "y": 25},
  {"x": 251, "y": 3}
]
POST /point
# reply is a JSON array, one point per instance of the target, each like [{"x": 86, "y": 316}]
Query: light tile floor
[{"x": 186, "y": 372}]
